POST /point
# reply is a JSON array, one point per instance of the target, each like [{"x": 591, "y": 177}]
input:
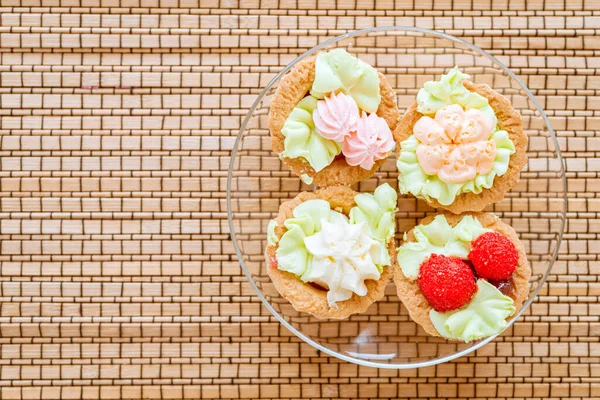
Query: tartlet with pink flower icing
[
  {"x": 331, "y": 119},
  {"x": 461, "y": 145}
]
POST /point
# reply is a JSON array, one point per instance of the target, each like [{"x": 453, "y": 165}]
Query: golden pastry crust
[
  {"x": 306, "y": 297},
  {"x": 509, "y": 120},
  {"x": 410, "y": 293},
  {"x": 292, "y": 88}
]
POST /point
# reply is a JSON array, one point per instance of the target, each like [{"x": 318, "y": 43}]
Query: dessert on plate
[
  {"x": 331, "y": 119},
  {"x": 461, "y": 145},
  {"x": 462, "y": 276},
  {"x": 331, "y": 252}
]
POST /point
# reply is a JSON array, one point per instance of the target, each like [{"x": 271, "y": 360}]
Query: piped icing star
[
  {"x": 371, "y": 141},
  {"x": 335, "y": 117}
]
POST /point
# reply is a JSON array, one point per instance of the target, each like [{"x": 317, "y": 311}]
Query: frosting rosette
[
  {"x": 455, "y": 146},
  {"x": 343, "y": 257},
  {"x": 371, "y": 141},
  {"x": 338, "y": 252},
  {"x": 335, "y": 117}
]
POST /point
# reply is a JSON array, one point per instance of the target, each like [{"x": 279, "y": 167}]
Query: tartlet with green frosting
[
  {"x": 331, "y": 252},
  {"x": 443, "y": 157},
  {"x": 322, "y": 103},
  {"x": 491, "y": 303}
]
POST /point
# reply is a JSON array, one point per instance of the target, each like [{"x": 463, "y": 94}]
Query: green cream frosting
[
  {"x": 338, "y": 70},
  {"x": 438, "y": 237},
  {"x": 306, "y": 179},
  {"x": 272, "y": 238},
  {"x": 450, "y": 90},
  {"x": 377, "y": 210},
  {"x": 484, "y": 316},
  {"x": 412, "y": 179},
  {"x": 302, "y": 140},
  {"x": 292, "y": 255}
]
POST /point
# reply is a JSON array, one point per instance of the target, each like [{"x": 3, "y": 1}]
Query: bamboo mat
[{"x": 118, "y": 278}]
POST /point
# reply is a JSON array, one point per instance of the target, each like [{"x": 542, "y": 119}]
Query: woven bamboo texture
[{"x": 118, "y": 276}]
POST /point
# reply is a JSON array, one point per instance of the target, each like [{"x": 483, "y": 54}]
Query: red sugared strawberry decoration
[
  {"x": 447, "y": 283},
  {"x": 494, "y": 256}
]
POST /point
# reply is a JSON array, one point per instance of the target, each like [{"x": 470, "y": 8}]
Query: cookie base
[
  {"x": 411, "y": 296},
  {"x": 303, "y": 296}
]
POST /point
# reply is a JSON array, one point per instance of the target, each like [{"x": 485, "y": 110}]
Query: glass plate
[{"x": 385, "y": 336}]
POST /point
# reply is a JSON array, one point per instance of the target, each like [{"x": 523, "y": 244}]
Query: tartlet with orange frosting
[
  {"x": 331, "y": 119},
  {"x": 461, "y": 145}
]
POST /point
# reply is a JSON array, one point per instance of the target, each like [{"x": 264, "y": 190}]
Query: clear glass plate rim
[{"x": 239, "y": 254}]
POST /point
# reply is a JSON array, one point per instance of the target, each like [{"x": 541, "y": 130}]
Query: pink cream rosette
[
  {"x": 364, "y": 139},
  {"x": 455, "y": 145},
  {"x": 336, "y": 116},
  {"x": 371, "y": 141}
]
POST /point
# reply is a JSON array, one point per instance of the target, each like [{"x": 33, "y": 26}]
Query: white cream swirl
[{"x": 343, "y": 257}]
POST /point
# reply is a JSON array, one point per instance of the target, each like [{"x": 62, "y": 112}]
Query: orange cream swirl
[{"x": 455, "y": 145}]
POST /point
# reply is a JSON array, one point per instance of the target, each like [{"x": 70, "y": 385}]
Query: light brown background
[{"x": 118, "y": 279}]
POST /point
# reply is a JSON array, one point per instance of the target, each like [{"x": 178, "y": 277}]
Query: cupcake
[
  {"x": 461, "y": 145},
  {"x": 331, "y": 252},
  {"x": 331, "y": 119},
  {"x": 462, "y": 276}
]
